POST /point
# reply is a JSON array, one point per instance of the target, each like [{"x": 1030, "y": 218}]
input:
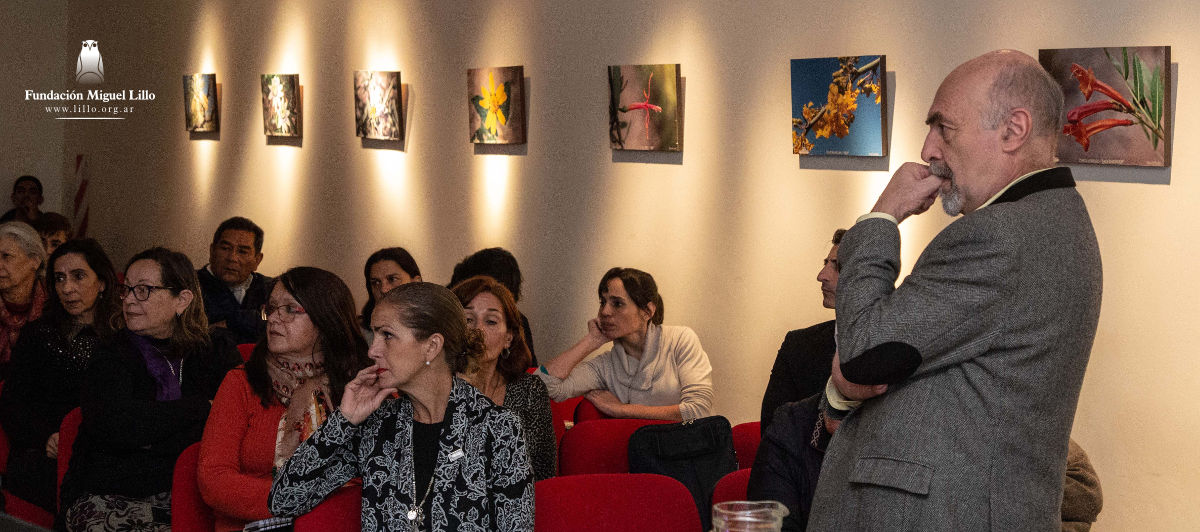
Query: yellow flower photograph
[
  {"x": 838, "y": 106},
  {"x": 496, "y": 105}
]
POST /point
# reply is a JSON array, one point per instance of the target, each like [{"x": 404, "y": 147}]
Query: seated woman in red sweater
[{"x": 290, "y": 384}]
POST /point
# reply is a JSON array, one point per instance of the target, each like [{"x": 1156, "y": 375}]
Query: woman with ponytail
[{"x": 441, "y": 456}]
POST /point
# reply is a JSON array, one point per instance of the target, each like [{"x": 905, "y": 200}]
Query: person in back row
[
  {"x": 385, "y": 269},
  {"x": 27, "y": 200},
  {"x": 54, "y": 228},
  {"x": 234, "y": 293},
  {"x": 653, "y": 371},
  {"x": 501, "y": 265}
]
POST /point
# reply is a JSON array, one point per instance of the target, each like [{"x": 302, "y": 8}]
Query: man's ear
[{"x": 1016, "y": 130}]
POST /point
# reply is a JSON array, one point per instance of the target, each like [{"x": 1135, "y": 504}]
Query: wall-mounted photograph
[
  {"x": 496, "y": 105},
  {"x": 644, "y": 108},
  {"x": 201, "y": 113},
  {"x": 281, "y": 105},
  {"x": 377, "y": 108},
  {"x": 1117, "y": 102},
  {"x": 838, "y": 106}
]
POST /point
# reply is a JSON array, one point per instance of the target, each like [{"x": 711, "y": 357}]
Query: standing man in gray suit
[{"x": 969, "y": 371}]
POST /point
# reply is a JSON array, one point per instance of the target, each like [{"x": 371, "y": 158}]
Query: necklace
[
  {"x": 170, "y": 366},
  {"x": 416, "y": 515}
]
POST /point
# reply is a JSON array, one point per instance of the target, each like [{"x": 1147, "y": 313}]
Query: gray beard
[{"x": 952, "y": 201}]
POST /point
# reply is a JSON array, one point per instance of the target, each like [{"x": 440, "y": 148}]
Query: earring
[
  {"x": 505, "y": 353},
  {"x": 426, "y": 362}
]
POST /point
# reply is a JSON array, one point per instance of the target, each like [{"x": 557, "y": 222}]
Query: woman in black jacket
[
  {"x": 147, "y": 397},
  {"x": 81, "y": 310}
]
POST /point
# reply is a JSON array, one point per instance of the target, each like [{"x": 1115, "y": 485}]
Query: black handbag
[{"x": 697, "y": 453}]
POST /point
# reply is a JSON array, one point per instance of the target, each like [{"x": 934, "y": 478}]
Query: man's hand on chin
[{"x": 912, "y": 190}]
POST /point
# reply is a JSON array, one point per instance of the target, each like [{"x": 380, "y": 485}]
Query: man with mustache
[
  {"x": 973, "y": 364},
  {"x": 234, "y": 293}
]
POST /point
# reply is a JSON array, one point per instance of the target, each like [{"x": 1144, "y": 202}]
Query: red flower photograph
[{"x": 1117, "y": 103}]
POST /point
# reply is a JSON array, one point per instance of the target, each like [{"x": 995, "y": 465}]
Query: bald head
[{"x": 1014, "y": 80}]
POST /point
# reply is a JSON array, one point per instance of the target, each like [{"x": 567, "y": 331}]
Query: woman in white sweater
[{"x": 653, "y": 371}]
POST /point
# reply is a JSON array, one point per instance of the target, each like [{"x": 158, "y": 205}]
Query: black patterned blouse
[
  {"x": 482, "y": 480},
  {"x": 528, "y": 398}
]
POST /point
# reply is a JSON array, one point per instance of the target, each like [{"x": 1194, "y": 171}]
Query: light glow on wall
[
  {"x": 204, "y": 151},
  {"x": 492, "y": 203}
]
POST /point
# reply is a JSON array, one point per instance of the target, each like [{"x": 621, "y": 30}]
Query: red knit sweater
[{"x": 237, "y": 453}]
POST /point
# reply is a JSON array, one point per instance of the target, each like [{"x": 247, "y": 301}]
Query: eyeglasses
[
  {"x": 289, "y": 312},
  {"x": 141, "y": 292}
]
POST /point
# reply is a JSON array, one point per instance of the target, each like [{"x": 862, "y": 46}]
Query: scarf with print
[{"x": 301, "y": 385}]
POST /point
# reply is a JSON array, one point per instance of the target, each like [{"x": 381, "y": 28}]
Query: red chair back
[
  {"x": 3, "y": 443},
  {"x": 341, "y": 511},
  {"x": 732, "y": 487},
  {"x": 562, "y": 413},
  {"x": 246, "y": 350},
  {"x": 67, "y": 432},
  {"x": 189, "y": 512},
  {"x": 598, "y": 446},
  {"x": 586, "y": 411},
  {"x": 746, "y": 437},
  {"x": 614, "y": 503}
]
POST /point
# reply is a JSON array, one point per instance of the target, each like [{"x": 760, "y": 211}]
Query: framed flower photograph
[
  {"x": 644, "y": 111},
  {"x": 1117, "y": 103},
  {"x": 377, "y": 109},
  {"x": 838, "y": 106},
  {"x": 200, "y": 110},
  {"x": 496, "y": 105},
  {"x": 281, "y": 105}
]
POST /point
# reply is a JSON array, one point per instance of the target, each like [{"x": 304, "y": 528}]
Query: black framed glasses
[
  {"x": 141, "y": 292},
  {"x": 289, "y": 312}
]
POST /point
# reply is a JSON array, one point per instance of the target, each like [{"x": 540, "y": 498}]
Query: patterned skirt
[{"x": 117, "y": 513}]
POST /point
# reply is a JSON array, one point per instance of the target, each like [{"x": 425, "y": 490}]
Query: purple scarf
[{"x": 166, "y": 370}]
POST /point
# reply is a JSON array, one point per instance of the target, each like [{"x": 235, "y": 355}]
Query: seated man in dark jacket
[
  {"x": 802, "y": 365},
  {"x": 233, "y": 292}
]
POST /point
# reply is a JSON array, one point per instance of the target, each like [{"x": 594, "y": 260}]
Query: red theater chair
[
  {"x": 189, "y": 512},
  {"x": 598, "y": 446},
  {"x": 586, "y": 411},
  {"x": 246, "y": 350},
  {"x": 614, "y": 503},
  {"x": 732, "y": 487},
  {"x": 561, "y": 413},
  {"x": 746, "y": 437}
]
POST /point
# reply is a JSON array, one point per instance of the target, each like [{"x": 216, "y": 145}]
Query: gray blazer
[{"x": 984, "y": 346}]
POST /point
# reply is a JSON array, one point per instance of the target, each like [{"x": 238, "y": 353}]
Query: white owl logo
[{"x": 90, "y": 67}]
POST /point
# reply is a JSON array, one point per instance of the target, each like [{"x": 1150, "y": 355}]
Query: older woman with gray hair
[{"x": 22, "y": 259}]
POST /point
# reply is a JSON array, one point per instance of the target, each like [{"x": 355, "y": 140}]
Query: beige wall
[
  {"x": 34, "y": 55},
  {"x": 734, "y": 228}
]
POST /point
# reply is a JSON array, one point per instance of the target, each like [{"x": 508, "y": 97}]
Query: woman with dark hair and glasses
[
  {"x": 653, "y": 371},
  {"x": 292, "y": 382},
  {"x": 146, "y": 398},
  {"x": 81, "y": 310}
]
